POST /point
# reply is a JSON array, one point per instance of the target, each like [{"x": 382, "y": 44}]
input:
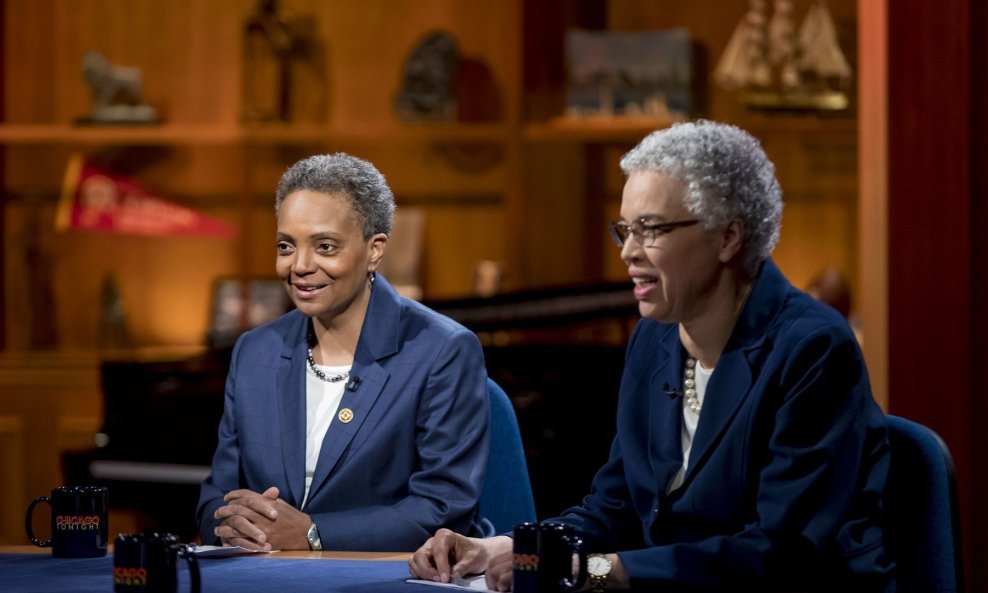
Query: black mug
[
  {"x": 78, "y": 521},
  {"x": 525, "y": 558},
  {"x": 148, "y": 563},
  {"x": 543, "y": 559}
]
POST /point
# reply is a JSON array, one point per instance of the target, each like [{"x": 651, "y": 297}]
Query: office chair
[
  {"x": 506, "y": 499},
  {"x": 921, "y": 511}
]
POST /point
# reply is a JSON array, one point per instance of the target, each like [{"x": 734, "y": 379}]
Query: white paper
[
  {"x": 474, "y": 583},
  {"x": 223, "y": 551}
]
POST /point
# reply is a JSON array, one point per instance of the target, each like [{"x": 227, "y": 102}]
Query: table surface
[
  {"x": 27, "y": 569},
  {"x": 326, "y": 555}
]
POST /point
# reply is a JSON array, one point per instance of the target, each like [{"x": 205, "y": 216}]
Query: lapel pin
[{"x": 345, "y": 415}]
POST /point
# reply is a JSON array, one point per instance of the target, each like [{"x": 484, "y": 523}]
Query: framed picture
[
  {"x": 641, "y": 74},
  {"x": 240, "y": 304}
]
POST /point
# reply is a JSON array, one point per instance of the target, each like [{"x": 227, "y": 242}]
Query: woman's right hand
[{"x": 448, "y": 554}]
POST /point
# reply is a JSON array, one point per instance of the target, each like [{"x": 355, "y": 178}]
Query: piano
[
  {"x": 557, "y": 352},
  {"x": 157, "y": 438}
]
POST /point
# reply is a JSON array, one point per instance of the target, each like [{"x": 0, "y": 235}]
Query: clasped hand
[
  {"x": 447, "y": 555},
  {"x": 261, "y": 521}
]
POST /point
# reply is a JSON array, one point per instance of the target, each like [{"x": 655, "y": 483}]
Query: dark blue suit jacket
[
  {"x": 412, "y": 459},
  {"x": 787, "y": 466}
]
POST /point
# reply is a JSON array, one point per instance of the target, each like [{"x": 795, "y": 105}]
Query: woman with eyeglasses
[
  {"x": 750, "y": 454},
  {"x": 358, "y": 421}
]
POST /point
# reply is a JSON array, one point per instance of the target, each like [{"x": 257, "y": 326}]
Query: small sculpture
[
  {"x": 117, "y": 92},
  {"x": 487, "y": 278},
  {"x": 279, "y": 47},
  {"x": 428, "y": 90},
  {"x": 113, "y": 332}
]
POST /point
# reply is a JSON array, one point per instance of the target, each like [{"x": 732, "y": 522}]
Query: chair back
[
  {"x": 506, "y": 499},
  {"x": 921, "y": 511}
]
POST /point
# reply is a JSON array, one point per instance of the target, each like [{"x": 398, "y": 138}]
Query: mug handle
[
  {"x": 190, "y": 559},
  {"x": 27, "y": 522},
  {"x": 575, "y": 546}
]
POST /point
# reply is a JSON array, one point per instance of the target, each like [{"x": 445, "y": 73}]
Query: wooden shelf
[
  {"x": 455, "y": 133},
  {"x": 168, "y": 134},
  {"x": 601, "y": 129},
  {"x": 630, "y": 130},
  {"x": 619, "y": 130},
  {"x": 451, "y": 133},
  {"x": 213, "y": 134}
]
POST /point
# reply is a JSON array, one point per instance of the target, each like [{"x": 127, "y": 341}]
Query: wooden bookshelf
[{"x": 530, "y": 189}]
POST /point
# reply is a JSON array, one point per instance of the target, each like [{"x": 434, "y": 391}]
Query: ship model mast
[{"x": 772, "y": 65}]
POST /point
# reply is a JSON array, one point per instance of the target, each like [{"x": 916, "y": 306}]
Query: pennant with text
[{"x": 97, "y": 200}]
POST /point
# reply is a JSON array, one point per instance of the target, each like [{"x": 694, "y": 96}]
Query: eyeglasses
[{"x": 646, "y": 232}]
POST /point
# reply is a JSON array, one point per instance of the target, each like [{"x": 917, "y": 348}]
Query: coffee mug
[
  {"x": 525, "y": 558},
  {"x": 544, "y": 558},
  {"x": 148, "y": 563},
  {"x": 78, "y": 521}
]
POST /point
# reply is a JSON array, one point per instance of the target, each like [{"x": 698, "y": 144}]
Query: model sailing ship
[{"x": 774, "y": 66}]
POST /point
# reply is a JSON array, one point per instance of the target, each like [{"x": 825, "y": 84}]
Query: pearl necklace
[
  {"x": 689, "y": 382},
  {"x": 324, "y": 376}
]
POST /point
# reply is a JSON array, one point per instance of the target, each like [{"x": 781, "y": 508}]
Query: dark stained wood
[
  {"x": 936, "y": 262},
  {"x": 978, "y": 513}
]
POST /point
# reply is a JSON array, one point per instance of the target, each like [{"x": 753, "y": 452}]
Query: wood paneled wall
[
  {"x": 492, "y": 194},
  {"x": 48, "y": 404}
]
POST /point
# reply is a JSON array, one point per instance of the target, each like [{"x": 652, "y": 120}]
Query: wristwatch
[
  {"x": 313, "y": 536},
  {"x": 598, "y": 569}
]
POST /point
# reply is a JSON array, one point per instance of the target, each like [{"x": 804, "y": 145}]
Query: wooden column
[{"x": 873, "y": 190}]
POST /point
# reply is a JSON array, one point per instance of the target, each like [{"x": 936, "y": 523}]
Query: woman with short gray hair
[
  {"x": 749, "y": 454},
  {"x": 727, "y": 175}
]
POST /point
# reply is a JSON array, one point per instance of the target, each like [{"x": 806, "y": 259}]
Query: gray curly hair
[
  {"x": 727, "y": 176},
  {"x": 340, "y": 173}
]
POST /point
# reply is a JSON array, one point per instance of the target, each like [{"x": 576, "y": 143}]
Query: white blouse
[
  {"x": 690, "y": 420},
  {"x": 322, "y": 399}
]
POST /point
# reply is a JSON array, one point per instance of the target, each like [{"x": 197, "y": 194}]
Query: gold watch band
[{"x": 599, "y": 567}]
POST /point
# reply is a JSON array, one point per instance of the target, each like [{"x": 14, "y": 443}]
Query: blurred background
[{"x": 499, "y": 125}]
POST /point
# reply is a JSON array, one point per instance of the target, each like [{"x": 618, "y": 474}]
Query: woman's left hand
[{"x": 283, "y": 526}]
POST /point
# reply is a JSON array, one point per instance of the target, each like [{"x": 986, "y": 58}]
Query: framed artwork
[
  {"x": 240, "y": 304},
  {"x": 641, "y": 73}
]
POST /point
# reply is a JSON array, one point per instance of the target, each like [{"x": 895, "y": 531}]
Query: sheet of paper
[
  {"x": 222, "y": 551},
  {"x": 475, "y": 583}
]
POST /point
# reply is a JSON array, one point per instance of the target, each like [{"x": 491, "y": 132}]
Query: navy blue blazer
[
  {"x": 412, "y": 459},
  {"x": 787, "y": 467}
]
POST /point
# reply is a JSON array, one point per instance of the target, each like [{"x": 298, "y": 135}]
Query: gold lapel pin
[{"x": 345, "y": 415}]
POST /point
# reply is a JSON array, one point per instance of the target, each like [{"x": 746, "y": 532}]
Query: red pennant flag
[{"x": 97, "y": 200}]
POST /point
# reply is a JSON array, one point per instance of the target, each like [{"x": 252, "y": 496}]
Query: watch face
[
  {"x": 598, "y": 565},
  {"x": 313, "y": 537}
]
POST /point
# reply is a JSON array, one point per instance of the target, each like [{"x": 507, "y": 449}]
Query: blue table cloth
[{"x": 40, "y": 573}]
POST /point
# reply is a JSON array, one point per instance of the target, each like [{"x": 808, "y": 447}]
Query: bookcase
[{"x": 522, "y": 189}]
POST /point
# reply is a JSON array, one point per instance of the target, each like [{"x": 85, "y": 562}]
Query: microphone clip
[{"x": 671, "y": 393}]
